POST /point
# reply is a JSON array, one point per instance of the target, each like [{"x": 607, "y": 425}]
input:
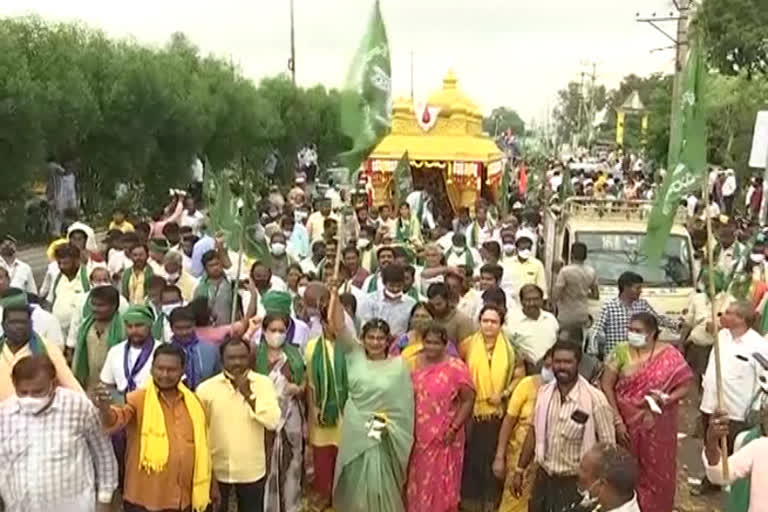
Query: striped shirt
[
  {"x": 57, "y": 460},
  {"x": 564, "y": 435},
  {"x": 614, "y": 321}
]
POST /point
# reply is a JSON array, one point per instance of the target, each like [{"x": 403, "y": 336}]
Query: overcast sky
[{"x": 505, "y": 52}]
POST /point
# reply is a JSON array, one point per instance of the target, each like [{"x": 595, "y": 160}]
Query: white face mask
[
  {"x": 172, "y": 278},
  {"x": 509, "y": 249},
  {"x": 33, "y": 404},
  {"x": 96, "y": 284},
  {"x": 756, "y": 257},
  {"x": 167, "y": 308},
  {"x": 275, "y": 339},
  {"x": 363, "y": 243},
  {"x": 524, "y": 254},
  {"x": 278, "y": 248},
  {"x": 300, "y": 290},
  {"x": 547, "y": 375},
  {"x": 458, "y": 250},
  {"x": 636, "y": 339},
  {"x": 391, "y": 295},
  {"x": 287, "y": 234}
]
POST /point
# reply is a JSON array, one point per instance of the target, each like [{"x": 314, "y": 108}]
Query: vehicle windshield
[{"x": 613, "y": 253}]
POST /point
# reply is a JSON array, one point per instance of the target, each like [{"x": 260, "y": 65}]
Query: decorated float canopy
[{"x": 446, "y": 146}]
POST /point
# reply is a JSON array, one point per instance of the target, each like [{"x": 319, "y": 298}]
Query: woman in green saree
[{"x": 377, "y": 431}]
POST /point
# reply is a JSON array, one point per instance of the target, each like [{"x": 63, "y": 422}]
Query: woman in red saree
[
  {"x": 644, "y": 379},
  {"x": 444, "y": 397}
]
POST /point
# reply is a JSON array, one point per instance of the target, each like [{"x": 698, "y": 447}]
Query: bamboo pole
[
  {"x": 332, "y": 305},
  {"x": 711, "y": 287}
]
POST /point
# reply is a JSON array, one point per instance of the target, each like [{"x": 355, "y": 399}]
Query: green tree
[
  {"x": 572, "y": 110},
  {"x": 503, "y": 119},
  {"x": 736, "y": 35},
  {"x": 136, "y": 115}
]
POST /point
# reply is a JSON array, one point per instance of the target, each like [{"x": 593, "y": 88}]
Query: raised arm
[{"x": 337, "y": 324}]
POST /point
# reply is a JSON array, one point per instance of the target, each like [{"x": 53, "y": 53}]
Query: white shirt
[
  {"x": 21, "y": 275},
  {"x": 630, "y": 506},
  {"x": 729, "y": 185},
  {"x": 532, "y": 337},
  {"x": 691, "y": 203},
  {"x": 194, "y": 220},
  {"x": 117, "y": 261},
  {"x": 739, "y": 372},
  {"x": 113, "y": 371}
]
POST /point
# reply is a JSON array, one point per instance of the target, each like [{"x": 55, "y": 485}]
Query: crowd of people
[{"x": 378, "y": 359}]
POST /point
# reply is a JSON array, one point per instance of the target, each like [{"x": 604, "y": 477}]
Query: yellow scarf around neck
[
  {"x": 154, "y": 446},
  {"x": 490, "y": 377}
]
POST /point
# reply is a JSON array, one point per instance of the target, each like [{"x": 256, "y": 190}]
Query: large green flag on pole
[
  {"x": 366, "y": 100},
  {"x": 688, "y": 164},
  {"x": 403, "y": 181}
]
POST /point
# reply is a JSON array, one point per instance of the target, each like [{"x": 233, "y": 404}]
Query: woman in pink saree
[
  {"x": 644, "y": 380},
  {"x": 444, "y": 397}
]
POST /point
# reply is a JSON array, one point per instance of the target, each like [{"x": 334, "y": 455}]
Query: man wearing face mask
[
  {"x": 35, "y": 477},
  {"x": 19, "y": 272},
  {"x": 176, "y": 275},
  {"x": 569, "y": 418},
  {"x": 280, "y": 258},
  {"x": 460, "y": 255},
  {"x": 296, "y": 237},
  {"x": 240, "y": 405},
  {"x": 19, "y": 341},
  {"x": 607, "y": 479},
  {"x": 389, "y": 304},
  {"x": 525, "y": 268}
]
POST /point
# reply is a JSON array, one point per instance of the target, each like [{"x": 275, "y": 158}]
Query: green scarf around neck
[
  {"x": 115, "y": 334},
  {"x": 36, "y": 345},
  {"x": 295, "y": 361},
  {"x": 84, "y": 281},
  {"x": 125, "y": 281},
  {"x": 330, "y": 382}
]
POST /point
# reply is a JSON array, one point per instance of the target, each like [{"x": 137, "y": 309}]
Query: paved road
[{"x": 35, "y": 257}]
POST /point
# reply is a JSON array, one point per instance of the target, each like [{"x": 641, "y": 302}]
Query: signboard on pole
[{"x": 759, "y": 155}]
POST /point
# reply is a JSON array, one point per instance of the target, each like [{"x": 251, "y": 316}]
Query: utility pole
[
  {"x": 411, "y": 76},
  {"x": 680, "y": 45},
  {"x": 292, "y": 60}
]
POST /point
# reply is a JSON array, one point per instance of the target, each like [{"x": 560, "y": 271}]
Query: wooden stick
[
  {"x": 711, "y": 287},
  {"x": 332, "y": 305}
]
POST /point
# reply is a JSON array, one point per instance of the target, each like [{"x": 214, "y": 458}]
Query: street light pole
[{"x": 292, "y": 60}]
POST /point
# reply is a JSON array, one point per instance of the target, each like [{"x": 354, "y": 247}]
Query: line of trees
[
  {"x": 737, "y": 88},
  {"x": 127, "y": 113}
]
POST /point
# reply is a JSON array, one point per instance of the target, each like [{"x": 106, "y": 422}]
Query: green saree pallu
[{"x": 376, "y": 436}]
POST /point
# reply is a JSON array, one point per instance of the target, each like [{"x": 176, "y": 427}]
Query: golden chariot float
[{"x": 450, "y": 156}]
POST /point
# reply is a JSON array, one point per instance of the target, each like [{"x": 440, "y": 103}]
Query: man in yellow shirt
[
  {"x": 119, "y": 222},
  {"x": 19, "y": 341},
  {"x": 524, "y": 267},
  {"x": 135, "y": 280},
  {"x": 239, "y": 404}
]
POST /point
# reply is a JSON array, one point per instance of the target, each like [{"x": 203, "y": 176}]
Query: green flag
[
  {"x": 235, "y": 218},
  {"x": 689, "y": 162},
  {"x": 366, "y": 101},
  {"x": 403, "y": 180}
]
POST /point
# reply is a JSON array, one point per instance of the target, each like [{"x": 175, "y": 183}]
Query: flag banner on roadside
[
  {"x": 403, "y": 180},
  {"x": 366, "y": 100},
  {"x": 234, "y": 218},
  {"x": 688, "y": 164}
]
